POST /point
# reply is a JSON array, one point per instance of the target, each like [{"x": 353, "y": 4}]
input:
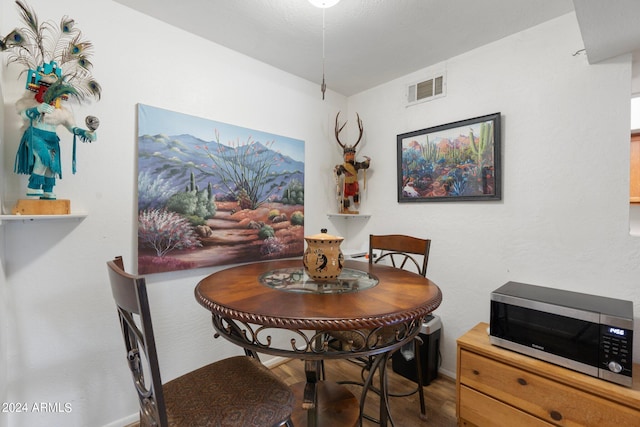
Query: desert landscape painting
[{"x": 211, "y": 193}]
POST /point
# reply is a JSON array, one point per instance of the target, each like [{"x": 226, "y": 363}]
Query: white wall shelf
[
  {"x": 337, "y": 215},
  {"x": 24, "y": 218}
]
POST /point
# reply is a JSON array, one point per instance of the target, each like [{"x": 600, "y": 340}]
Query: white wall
[
  {"x": 4, "y": 308},
  {"x": 563, "y": 220},
  {"x": 65, "y": 344},
  {"x": 635, "y": 74}
]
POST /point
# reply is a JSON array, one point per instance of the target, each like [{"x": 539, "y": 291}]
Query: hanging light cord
[{"x": 323, "y": 86}]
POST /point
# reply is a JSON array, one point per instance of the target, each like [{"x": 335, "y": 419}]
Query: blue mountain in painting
[{"x": 169, "y": 161}]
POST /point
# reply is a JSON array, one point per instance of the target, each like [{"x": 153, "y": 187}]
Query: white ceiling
[
  {"x": 609, "y": 29},
  {"x": 369, "y": 42}
]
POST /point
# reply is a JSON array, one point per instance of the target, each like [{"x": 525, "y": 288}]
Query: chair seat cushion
[
  {"x": 234, "y": 392},
  {"x": 355, "y": 340}
]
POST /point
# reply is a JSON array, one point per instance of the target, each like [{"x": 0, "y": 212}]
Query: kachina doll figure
[
  {"x": 348, "y": 187},
  {"x": 56, "y": 60}
]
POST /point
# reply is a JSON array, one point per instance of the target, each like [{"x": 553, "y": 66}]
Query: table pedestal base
[{"x": 336, "y": 406}]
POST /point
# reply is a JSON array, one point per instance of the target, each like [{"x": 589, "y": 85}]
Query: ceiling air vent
[{"x": 426, "y": 90}]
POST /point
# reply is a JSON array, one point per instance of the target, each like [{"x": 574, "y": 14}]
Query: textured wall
[
  {"x": 64, "y": 343},
  {"x": 564, "y": 218}
]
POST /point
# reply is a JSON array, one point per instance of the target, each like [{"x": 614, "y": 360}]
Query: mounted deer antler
[{"x": 339, "y": 129}]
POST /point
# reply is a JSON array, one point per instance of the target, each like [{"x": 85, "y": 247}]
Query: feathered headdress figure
[{"x": 45, "y": 42}]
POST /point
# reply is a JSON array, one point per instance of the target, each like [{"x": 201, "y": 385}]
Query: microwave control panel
[{"x": 615, "y": 349}]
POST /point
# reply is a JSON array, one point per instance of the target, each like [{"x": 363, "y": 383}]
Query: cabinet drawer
[
  {"x": 553, "y": 402},
  {"x": 481, "y": 410}
]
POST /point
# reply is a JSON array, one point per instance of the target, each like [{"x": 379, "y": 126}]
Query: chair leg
[
  {"x": 423, "y": 409},
  {"x": 385, "y": 416},
  {"x": 379, "y": 364},
  {"x": 251, "y": 353}
]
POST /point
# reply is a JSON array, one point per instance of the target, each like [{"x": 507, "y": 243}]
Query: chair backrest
[
  {"x": 130, "y": 295},
  {"x": 399, "y": 250}
]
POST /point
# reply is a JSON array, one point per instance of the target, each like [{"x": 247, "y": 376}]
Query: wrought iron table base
[{"x": 315, "y": 348}]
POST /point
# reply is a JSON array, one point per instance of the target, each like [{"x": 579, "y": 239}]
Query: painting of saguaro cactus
[
  {"x": 479, "y": 145},
  {"x": 458, "y": 161}
]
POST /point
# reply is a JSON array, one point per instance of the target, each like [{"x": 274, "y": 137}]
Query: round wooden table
[{"x": 250, "y": 301}]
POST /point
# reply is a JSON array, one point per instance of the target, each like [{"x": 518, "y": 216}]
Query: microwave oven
[{"x": 587, "y": 333}]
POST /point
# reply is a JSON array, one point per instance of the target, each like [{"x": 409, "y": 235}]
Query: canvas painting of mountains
[{"x": 211, "y": 193}]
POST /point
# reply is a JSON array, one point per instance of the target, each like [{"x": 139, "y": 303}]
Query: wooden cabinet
[{"x": 498, "y": 387}]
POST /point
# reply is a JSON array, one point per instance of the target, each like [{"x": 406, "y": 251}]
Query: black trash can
[{"x": 403, "y": 361}]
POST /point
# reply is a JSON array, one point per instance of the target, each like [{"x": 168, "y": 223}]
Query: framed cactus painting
[
  {"x": 211, "y": 193},
  {"x": 458, "y": 161}
]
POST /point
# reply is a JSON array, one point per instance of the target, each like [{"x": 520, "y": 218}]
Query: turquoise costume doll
[
  {"x": 56, "y": 60},
  {"x": 39, "y": 152}
]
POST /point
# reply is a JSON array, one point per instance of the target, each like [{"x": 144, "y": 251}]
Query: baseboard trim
[{"x": 133, "y": 419}]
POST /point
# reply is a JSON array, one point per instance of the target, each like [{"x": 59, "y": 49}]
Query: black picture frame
[{"x": 458, "y": 161}]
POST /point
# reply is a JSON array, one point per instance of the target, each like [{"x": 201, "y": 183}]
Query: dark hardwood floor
[{"x": 440, "y": 395}]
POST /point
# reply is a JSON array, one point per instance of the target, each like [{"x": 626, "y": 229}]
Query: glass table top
[{"x": 296, "y": 280}]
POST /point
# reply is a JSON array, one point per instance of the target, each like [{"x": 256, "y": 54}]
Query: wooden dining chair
[
  {"x": 233, "y": 392},
  {"x": 408, "y": 253}
]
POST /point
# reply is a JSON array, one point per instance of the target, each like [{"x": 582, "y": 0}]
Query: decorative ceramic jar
[{"x": 323, "y": 258}]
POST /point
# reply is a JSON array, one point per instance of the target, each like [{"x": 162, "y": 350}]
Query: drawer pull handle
[
  {"x": 476, "y": 372},
  {"x": 557, "y": 416},
  {"x": 522, "y": 381}
]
